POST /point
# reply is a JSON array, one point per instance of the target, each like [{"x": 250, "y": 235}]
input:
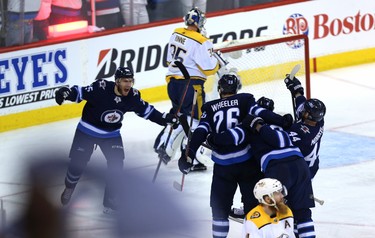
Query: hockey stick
[
  {"x": 291, "y": 77},
  {"x": 187, "y": 77},
  {"x": 177, "y": 185},
  {"x": 321, "y": 202}
]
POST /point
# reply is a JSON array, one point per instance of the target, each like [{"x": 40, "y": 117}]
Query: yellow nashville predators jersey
[
  {"x": 195, "y": 51},
  {"x": 258, "y": 224}
]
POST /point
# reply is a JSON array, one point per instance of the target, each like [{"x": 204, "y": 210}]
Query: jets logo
[
  {"x": 113, "y": 116},
  {"x": 305, "y": 129}
]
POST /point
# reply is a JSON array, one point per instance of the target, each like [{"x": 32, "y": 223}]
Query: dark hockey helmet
[
  {"x": 228, "y": 84},
  {"x": 315, "y": 109},
  {"x": 124, "y": 72},
  {"x": 195, "y": 17}
]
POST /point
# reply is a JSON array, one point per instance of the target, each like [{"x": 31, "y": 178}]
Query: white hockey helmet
[
  {"x": 195, "y": 17},
  {"x": 267, "y": 187}
]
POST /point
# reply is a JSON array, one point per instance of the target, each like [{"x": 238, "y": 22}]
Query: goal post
[{"x": 262, "y": 64}]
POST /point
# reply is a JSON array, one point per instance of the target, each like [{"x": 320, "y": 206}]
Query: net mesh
[{"x": 262, "y": 64}]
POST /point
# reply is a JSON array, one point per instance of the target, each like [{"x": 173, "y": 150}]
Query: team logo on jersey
[
  {"x": 102, "y": 84},
  {"x": 117, "y": 99},
  {"x": 113, "y": 116},
  {"x": 305, "y": 129},
  {"x": 255, "y": 215}
]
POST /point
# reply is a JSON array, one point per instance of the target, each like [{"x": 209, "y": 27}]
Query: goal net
[{"x": 262, "y": 64}]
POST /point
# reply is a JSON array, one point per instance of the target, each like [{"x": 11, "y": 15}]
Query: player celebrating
[
  {"x": 279, "y": 158},
  {"x": 233, "y": 164},
  {"x": 308, "y": 130},
  {"x": 271, "y": 218},
  {"x": 191, "y": 47},
  {"x": 102, "y": 115}
]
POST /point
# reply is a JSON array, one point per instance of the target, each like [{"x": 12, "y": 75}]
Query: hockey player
[
  {"x": 279, "y": 158},
  {"x": 305, "y": 133},
  {"x": 191, "y": 47},
  {"x": 271, "y": 218},
  {"x": 233, "y": 164},
  {"x": 308, "y": 130},
  {"x": 102, "y": 115}
]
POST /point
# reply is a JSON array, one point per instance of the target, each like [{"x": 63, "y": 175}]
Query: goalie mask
[
  {"x": 195, "y": 17},
  {"x": 124, "y": 72},
  {"x": 228, "y": 84},
  {"x": 315, "y": 109},
  {"x": 267, "y": 187}
]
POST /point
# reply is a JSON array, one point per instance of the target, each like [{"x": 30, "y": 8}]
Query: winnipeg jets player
[
  {"x": 233, "y": 164},
  {"x": 102, "y": 115},
  {"x": 308, "y": 130}
]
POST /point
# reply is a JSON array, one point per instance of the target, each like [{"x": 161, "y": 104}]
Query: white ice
[{"x": 345, "y": 181}]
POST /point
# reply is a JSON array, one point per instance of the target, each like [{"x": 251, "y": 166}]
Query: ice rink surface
[{"x": 345, "y": 180}]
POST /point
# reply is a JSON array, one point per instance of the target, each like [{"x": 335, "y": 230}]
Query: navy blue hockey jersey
[
  {"x": 223, "y": 114},
  {"x": 104, "y": 111},
  {"x": 307, "y": 138}
]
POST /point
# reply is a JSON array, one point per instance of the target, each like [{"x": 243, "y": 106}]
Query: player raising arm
[
  {"x": 279, "y": 158},
  {"x": 307, "y": 131},
  {"x": 233, "y": 164},
  {"x": 102, "y": 115}
]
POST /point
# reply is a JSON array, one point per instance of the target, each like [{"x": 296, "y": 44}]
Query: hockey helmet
[
  {"x": 195, "y": 17},
  {"x": 315, "y": 109},
  {"x": 267, "y": 187},
  {"x": 124, "y": 72},
  {"x": 228, "y": 84}
]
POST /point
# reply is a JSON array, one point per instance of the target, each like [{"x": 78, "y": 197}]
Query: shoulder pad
[{"x": 196, "y": 36}]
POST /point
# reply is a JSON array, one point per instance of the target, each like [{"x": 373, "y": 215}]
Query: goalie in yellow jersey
[
  {"x": 271, "y": 218},
  {"x": 190, "y": 46}
]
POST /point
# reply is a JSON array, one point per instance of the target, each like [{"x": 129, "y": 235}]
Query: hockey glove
[
  {"x": 61, "y": 94},
  {"x": 287, "y": 121},
  {"x": 171, "y": 119},
  {"x": 211, "y": 141},
  {"x": 266, "y": 103},
  {"x": 294, "y": 85},
  {"x": 250, "y": 123},
  {"x": 185, "y": 163}
]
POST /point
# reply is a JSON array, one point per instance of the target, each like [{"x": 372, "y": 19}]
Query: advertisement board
[{"x": 29, "y": 77}]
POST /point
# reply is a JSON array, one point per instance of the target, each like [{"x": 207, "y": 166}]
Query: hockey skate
[
  {"x": 162, "y": 154},
  {"x": 66, "y": 195},
  {"x": 237, "y": 214},
  {"x": 198, "y": 167}
]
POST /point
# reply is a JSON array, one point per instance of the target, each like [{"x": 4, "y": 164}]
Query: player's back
[
  {"x": 223, "y": 114},
  {"x": 226, "y": 113},
  {"x": 192, "y": 49}
]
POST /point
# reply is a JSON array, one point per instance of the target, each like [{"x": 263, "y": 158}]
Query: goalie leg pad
[
  {"x": 203, "y": 155},
  {"x": 175, "y": 141}
]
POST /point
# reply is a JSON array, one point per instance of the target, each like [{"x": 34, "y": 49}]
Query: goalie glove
[
  {"x": 220, "y": 58},
  {"x": 294, "y": 85},
  {"x": 61, "y": 94}
]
